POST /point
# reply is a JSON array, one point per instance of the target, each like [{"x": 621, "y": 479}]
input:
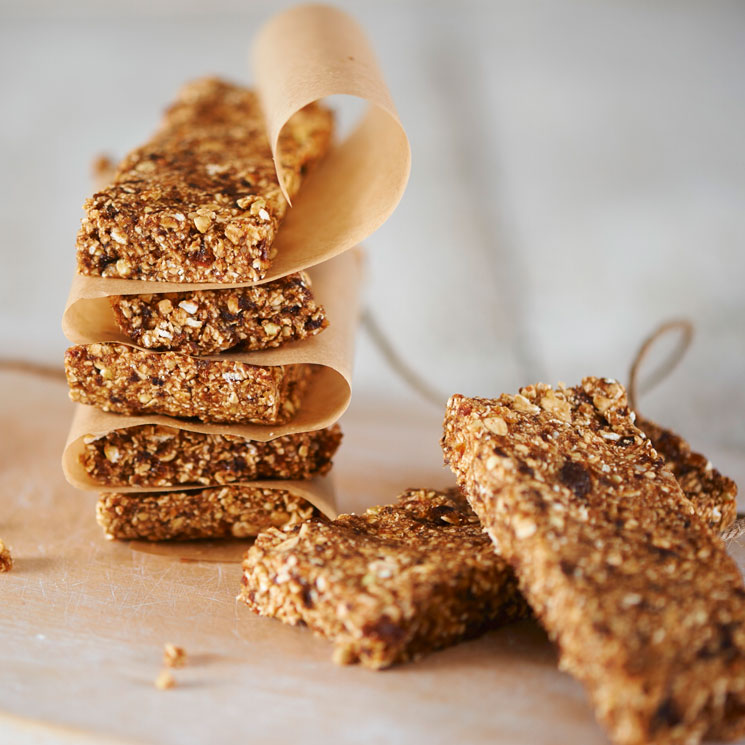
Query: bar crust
[
  {"x": 713, "y": 495},
  {"x": 155, "y": 456},
  {"x": 388, "y": 585},
  {"x": 238, "y": 511},
  {"x": 203, "y": 322},
  {"x": 124, "y": 380},
  {"x": 200, "y": 201},
  {"x": 641, "y": 596}
]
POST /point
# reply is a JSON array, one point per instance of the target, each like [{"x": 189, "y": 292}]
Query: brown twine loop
[{"x": 657, "y": 376}]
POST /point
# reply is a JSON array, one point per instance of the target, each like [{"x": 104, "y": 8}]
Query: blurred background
[{"x": 578, "y": 177}]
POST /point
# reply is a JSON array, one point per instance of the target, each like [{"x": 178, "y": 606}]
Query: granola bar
[
  {"x": 205, "y": 322},
  {"x": 646, "y": 605},
  {"x": 200, "y": 202},
  {"x": 155, "y": 456},
  {"x": 713, "y": 495},
  {"x": 124, "y": 380},
  {"x": 388, "y": 585},
  {"x": 237, "y": 511}
]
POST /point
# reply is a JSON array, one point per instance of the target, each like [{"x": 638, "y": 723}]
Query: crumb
[
  {"x": 164, "y": 681},
  {"x": 174, "y": 656},
  {"x": 6, "y": 560},
  {"x": 103, "y": 169}
]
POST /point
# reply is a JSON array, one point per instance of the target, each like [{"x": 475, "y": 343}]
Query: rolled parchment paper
[
  {"x": 302, "y": 55},
  {"x": 336, "y": 284}
]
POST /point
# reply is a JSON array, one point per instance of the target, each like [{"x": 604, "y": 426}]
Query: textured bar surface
[
  {"x": 388, "y": 585},
  {"x": 714, "y": 496},
  {"x": 238, "y": 511},
  {"x": 203, "y": 322},
  {"x": 200, "y": 202},
  {"x": 641, "y": 596},
  {"x": 121, "y": 379},
  {"x": 155, "y": 456}
]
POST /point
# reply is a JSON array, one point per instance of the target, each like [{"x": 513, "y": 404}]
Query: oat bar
[
  {"x": 121, "y": 379},
  {"x": 646, "y": 605},
  {"x": 237, "y": 511},
  {"x": 388, "y": 585},
  {"x": 203, "y": 322},
  {"x": 155, "y": 456},
  {"x": 713, "y": 495},
  {"x": 200, "y": 202}
]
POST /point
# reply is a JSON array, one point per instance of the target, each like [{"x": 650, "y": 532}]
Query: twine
[{"x": 686, "y": 328}]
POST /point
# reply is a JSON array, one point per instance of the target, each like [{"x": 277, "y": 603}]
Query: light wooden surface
[{"x": 83, "y": 622}]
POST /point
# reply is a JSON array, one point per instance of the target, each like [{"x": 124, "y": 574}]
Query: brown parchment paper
[
  {"x": 301, "y": 55},
  {"x": 336, "y": 284}
]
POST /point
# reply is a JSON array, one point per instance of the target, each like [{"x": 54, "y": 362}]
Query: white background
[{"x": 578, "y": 177}]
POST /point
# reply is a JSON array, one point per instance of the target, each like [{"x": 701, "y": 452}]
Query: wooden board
[{"x": 83, "y": 622}]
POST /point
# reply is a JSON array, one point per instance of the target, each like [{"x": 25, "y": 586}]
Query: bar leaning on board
[
  {"x": 646, "y": 605},
  {"x": 388, "y": 585},
  {"x": 238, "y": 511},
  {"x": 155, "y": 456},
  {"x": 124, "y": 380},
  {"x": 713, "y": 495},
  {"x": 204, "y": 322},
  {"x": 200, "y": 201}
]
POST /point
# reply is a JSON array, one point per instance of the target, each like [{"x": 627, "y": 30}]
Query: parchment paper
[
  {"x": 336, "y": 284},
  {"x": 302, "y": 55}
]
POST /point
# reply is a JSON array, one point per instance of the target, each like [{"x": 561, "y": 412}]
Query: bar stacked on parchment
[{"x": 200, "y": 202}]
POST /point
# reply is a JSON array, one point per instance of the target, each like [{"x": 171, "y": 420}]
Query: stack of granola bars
[{"x": 201, "y": 203}]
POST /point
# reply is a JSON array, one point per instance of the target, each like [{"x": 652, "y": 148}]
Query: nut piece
[
  {"x": 164, "y": 681},
  {"x": 6, "y": 560},
  {"x": 174, "y": 656}
]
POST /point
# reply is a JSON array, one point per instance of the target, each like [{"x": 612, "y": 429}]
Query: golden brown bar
[
  {"x": 240, "y": 511},
  {"x": 154, "y": 456},
  {"x": 203, "y": 322},
  {"x": 121, "y": 379},
  {"x": 388, "y": 585},
  {"x": 200, "y": 201},
  {"x": 641, "y": 596},
  {"x": 713, "y": 495}
]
